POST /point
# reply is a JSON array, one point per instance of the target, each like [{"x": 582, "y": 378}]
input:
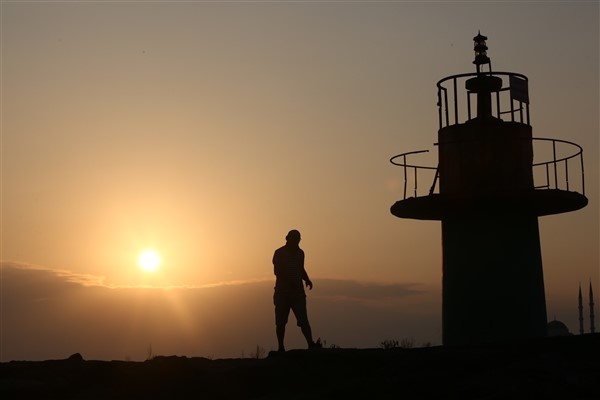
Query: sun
[{"x": 149, "y": 260}]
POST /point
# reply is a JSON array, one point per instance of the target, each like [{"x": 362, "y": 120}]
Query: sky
[{"x": 207, "y": 130}]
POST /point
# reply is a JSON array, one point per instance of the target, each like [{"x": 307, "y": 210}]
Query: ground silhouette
[{"x": 550, "y": 368}]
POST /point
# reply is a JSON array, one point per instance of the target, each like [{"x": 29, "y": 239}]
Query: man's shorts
[{"x": 286, "y": 300}]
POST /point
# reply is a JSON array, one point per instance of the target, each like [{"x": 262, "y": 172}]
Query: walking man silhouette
[{"x": 288, "y": 263}]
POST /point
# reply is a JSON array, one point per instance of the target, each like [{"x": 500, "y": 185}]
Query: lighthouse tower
[{"x": 488, "y": 192}]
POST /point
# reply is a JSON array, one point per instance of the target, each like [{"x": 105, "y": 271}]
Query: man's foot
[
  {"x": 281, "y": 350},
  {"x": 316, "y": 345}
]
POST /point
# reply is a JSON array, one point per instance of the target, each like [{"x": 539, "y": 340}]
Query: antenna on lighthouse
[{"x": 480, "y": 49}]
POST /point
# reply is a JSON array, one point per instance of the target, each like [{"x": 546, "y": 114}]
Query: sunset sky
[{"x": 206, "y": 130}]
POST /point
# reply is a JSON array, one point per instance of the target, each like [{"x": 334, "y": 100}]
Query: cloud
[
  {"x": 44, "y": 273},
  {"x": 54, "y": 313},
  {"x": 372, "y": 291}
]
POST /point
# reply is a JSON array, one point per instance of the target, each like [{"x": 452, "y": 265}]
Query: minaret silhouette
[
  {"x": 490, "y": 193},
  {"x": 592, "y": 324},
  {"x": 580, "y": 311}
]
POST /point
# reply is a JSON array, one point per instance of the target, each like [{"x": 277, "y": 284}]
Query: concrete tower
[
  {"x": 580, "y": 307},
  {"x": 488, "y": 193},
  {"x": 592, "y": 322}
]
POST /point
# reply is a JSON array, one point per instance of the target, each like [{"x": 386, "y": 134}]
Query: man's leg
[
  {"x": 299, "y": 309},
  {"x": 307, "y": 332},
  {"x": 280, "y": 331},
  {"x": 282, "y": 311}
]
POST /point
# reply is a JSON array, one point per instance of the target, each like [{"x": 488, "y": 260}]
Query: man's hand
[{"x": 309, "y": 284}]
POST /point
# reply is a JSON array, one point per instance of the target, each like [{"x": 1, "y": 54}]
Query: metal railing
[
  {"x": 463, "y": 109},
  {"x": 562, "y": 170},
  {"x": 400, "y": 160}
]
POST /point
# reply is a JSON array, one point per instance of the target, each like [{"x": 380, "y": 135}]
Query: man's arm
[
  {"x": 305, "y": 277},
  {"x": 276, "y": 264}
]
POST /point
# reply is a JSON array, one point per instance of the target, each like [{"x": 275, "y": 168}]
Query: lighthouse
[{"x": 492, "y": 182}]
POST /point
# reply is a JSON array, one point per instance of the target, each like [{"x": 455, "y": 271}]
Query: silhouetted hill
[{"x": 552, "y": 368}]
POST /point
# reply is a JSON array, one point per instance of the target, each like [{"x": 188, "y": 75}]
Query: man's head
[{"x": 293, "y": 237}]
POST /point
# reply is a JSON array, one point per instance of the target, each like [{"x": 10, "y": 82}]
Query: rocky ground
[{"x": 552, "y": 368}]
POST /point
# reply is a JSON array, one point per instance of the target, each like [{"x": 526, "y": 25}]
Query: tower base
[{"x": 493, "y": 287}]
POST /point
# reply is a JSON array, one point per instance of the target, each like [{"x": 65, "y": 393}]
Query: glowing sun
[{"x": 149, "y": 260}]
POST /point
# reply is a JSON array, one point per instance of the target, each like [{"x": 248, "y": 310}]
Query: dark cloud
[{"x": 53, "y": 313}]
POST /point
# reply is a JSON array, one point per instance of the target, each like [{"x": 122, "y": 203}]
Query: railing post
[
  {"x": 498, "y": 104},
  {"x": 404, "y": 162},
  {"x": 521, "y": 111},
  {"x": 446, "y": 103},
  {"x": 582, "y": 173},
  {"x": 512, "y": 110},
  {"x": 567, "y": 173},
  {"x": 440, "y": 107},
  {"x": 455, "y": 103},
  {"x": 435, "y": 178},
  {"x": 415, "y": 169},
  {"x": 554, "y": 163}
]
